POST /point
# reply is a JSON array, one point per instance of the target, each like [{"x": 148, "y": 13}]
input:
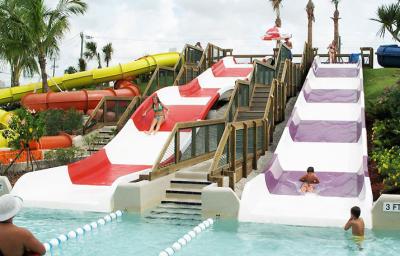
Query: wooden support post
[
  {"x": 206, "y": 139},
  {"x": 245, "y": 149},
  {"x": 177, "y": 147},
  {"x": 193, "y": 149},
  {"x": 232, "y": 153},
  {"x": 255, "y": 146}
]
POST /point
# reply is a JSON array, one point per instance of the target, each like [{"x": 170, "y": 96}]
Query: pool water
[{"x": 135, "y": 235}]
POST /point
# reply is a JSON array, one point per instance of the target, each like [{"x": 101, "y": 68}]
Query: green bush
[
  {"x": 63, "y": 156},
  {"x": 57, "y": 120},
  {"x": 24, "y": 127},
  {"x": 387, "y": 105},
  {"x": 386, "y": 133},
  {"x": 53, "y": 121},
  {"x": 72, "y": 121},
  {"x": 388, "y": 162}
]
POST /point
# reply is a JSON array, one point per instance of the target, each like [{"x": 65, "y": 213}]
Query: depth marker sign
[{"x": 391, "y": 207}]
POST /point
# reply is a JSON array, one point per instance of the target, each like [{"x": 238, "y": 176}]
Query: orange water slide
[{"x": 83, "y": 100}]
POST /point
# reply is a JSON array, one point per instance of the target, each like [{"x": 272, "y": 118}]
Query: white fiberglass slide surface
[
  {"x": 326, "y": 131},
  {"x": 89, "y": 184}
]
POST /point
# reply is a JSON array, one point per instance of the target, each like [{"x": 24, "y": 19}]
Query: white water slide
[
  {"x": 326, "y": 131},
  {"x": 89, "y": 184}
]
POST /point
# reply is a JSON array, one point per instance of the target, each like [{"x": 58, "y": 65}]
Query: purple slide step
[
  {"x": 326, "y": 131},
  {"x": 336, "y": 184},
  {"x": 332, "y": 96}
]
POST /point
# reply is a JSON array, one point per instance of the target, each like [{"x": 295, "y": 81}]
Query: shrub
[
  {"x": 387, "y": 105},
  {"x": 53, "y": 121},
  {"x": 72, "y": 121},
  {"x": 388, "y": 162},
  {"x": 57, "y": 120},
  {"x": 24, "y": 127},
  {"x": 63, "y": 156},
  {"x": 386, "y": 133}
]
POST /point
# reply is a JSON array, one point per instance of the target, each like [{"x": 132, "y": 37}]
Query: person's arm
[
  {"x": 164, "y": 107},
  {"x": 348, "y": 224},
  {"x": 147, "y": 110},
  {"x": 304, "y": 178},
  {"x": 316, "y": 180},
  {"x": 32, "y": 245}
]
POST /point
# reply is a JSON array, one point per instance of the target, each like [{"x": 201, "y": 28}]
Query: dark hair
[
  {"x": 355, "y": 211},
  {"x": 310, "y": 169}
]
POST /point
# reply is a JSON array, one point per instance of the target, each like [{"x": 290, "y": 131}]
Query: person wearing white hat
[{"x": 15, "y": 241}]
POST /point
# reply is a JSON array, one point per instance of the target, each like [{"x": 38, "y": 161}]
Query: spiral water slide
[
  {"x": 80, "y": 80},
  {"x": 326, "y": 131},
  {"x": 90, "y": 184}
]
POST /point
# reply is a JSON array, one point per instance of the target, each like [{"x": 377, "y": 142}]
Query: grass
[{"x": 376, "y": 80}]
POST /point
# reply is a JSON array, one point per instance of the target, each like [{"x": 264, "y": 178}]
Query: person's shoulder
[{"x": 23, "y": 232}]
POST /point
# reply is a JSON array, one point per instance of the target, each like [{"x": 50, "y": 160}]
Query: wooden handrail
[{"x": 128, "y": 112}]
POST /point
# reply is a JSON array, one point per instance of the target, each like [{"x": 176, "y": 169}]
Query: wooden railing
[
  {"x": 194, "y": 142},
  {"x": 107, "y": 112},
  {"x": 196, "y": 66},
  {"x": 243, "y": 142},
  {"x": 161, "y": 77}
]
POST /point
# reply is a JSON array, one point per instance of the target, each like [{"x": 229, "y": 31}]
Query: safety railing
[
  {"x": 194, "y": 142},
  {"x": 107, "y": 112},
  {"x": 243, "y": 142},
  {"x": 199, "y": 63}
]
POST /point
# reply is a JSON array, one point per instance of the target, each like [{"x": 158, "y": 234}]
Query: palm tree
[
  {"x": 82, "y": 64},
  {"x": 15, "y": 47},
  {"x": 91, "y": 52},
  {"x": 336, "y": 19},
  {"x": 108, "y": 51},
  {"x": 311, "y": 18},
  {"x": 389, "y": 17},
  {"x": 276, "y": 6},
  {"x": 46, "y": 27},
  {"x": 70, "y": 70}
]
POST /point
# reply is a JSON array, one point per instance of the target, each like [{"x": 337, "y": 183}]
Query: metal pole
[{"x": 81, "y": 44}]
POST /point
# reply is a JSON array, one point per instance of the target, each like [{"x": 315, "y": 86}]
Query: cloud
[{"x": 150, "y": 26}]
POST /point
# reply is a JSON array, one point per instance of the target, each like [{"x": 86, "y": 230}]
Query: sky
[{"x": 140, "y": 27}]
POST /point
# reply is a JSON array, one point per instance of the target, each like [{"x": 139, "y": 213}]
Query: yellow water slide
[{"x": 81, "y": 79}]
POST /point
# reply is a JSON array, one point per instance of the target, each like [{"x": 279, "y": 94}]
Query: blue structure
[{"x": 389, "y": 56}]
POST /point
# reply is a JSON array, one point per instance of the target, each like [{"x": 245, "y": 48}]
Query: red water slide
[{"x": 83, "y": 100}]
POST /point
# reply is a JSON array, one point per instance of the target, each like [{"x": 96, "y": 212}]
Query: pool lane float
[{"x": 81, "y": 231}]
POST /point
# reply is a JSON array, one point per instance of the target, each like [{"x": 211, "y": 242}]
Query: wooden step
[
  {"x": 181, "y": 201},
  {"x": 259, "y": 100}
]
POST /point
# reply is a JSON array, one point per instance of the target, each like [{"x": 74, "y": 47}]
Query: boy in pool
[
  {"x": 309, "y": 180},
  {"x": 355, "y": 223}
]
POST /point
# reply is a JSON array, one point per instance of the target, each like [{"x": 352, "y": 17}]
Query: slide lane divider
[{"x": 56, "y": 242}]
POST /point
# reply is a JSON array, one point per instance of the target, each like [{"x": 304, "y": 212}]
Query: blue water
[{"x": 134, "y": 235}]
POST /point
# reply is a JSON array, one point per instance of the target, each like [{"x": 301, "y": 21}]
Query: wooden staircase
[
  {"x": 182, "y": 202},
  {"x": 258, "y": 103},
  {"x": 102, "y": 138}
]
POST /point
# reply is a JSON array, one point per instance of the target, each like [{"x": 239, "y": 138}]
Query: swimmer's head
[
  {"x": 355, "y": 212},
  {"x": 310, "y": 169}
]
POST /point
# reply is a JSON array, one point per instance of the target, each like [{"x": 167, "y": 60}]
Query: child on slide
[
  {"x": 309, "y": 180},
  {"x": 159, "y": 115}
]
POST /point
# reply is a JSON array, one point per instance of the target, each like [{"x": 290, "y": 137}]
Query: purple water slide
[
  {"x": 336, "y": 72},
  {"x": 331, "y": 96},
  {"x": 325, "y": 131},
  {"x": 337, "y": 184}
]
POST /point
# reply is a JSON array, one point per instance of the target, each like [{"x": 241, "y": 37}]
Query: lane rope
[{"x": 81, "y": 231}]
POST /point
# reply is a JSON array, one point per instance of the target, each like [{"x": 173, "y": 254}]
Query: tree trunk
[
  {"x": 336, "y": 29},
  {"x": 15, "y": 75},
  {"x": 310, "y": 32},
  {"x": 42, "y": 64}
]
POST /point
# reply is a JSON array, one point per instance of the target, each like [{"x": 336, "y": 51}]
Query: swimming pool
[{"x": 134, "y": 235}]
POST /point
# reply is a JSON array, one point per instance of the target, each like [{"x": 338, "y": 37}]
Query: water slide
[
  {"x": 89, "y": 184},
  {"x": 326, "y": 131},
  {"x": 84, "y": 100},
  {"x": 85, "y": 78}
]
